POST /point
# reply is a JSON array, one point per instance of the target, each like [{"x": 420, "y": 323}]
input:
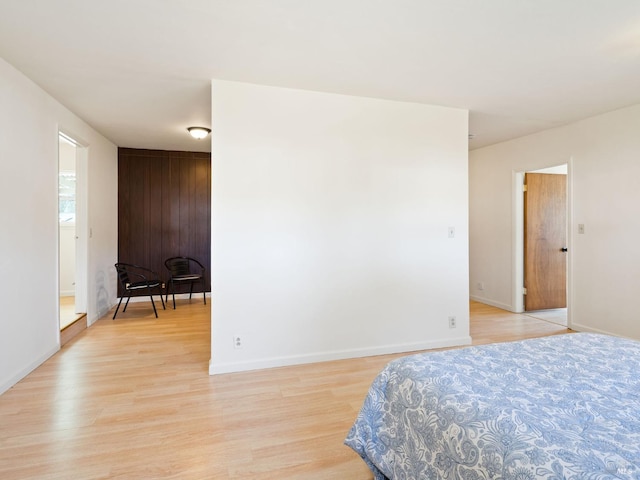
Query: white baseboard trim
[
  {"x": 583, "y": 328},
  {"x": 273, "y": 362},
  {"x": 6, "y": 385},
  {"x": 182, "y": 296},
  {"x": 488, "y": 301}
]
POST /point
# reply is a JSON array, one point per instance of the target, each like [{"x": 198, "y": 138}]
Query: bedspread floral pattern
[{"x": 561, "y": 407}]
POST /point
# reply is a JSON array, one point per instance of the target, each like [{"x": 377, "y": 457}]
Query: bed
[{"x": 559, "y": 407}]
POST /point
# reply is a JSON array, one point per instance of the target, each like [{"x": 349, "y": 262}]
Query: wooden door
[{"x": 545, "y": 241}]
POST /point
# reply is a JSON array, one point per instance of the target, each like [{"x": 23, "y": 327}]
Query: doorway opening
[
  {"x": 72, "y": 243},
  {"x": 541, "y": 240}
]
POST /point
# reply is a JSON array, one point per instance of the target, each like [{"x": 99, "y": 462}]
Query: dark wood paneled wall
[{"x": 164, "y": 208}]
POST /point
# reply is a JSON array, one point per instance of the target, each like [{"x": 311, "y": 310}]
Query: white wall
[
  {"x": 604, "y": 262},
  {"x": 329, "y": 226},
  {"x": 29, "y": 124}
]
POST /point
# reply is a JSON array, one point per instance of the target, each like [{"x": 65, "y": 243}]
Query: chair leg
[
  {"x": 171, "y": 288},
  {"x": 126, "y": 304},
  {"x": 204, "y": 293},
  {"x": 117, "y": 308},
  {"x": 161, "y": 299},
  {"x": 153, "y": 304},
  {"x": 190, "y": 289}
]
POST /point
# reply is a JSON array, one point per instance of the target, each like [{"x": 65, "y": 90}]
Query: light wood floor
[
  {"x": 131, "y": 399},
  {"x": 68, "y": 313}
]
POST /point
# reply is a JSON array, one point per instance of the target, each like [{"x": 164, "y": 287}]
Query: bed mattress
[{"x": 559, "y": 407}]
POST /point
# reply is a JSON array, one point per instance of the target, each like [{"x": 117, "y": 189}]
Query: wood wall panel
[{"x": 164, "y": 207}]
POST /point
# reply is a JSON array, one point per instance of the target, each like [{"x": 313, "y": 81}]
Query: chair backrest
[
  {"x": 178, "y": 266},
  {"x": 123, "y": 274}
]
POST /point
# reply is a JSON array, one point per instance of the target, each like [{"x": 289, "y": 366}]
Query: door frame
[
  {"x": 81, "y": 226},
  {"x": 517, "y": 240}
]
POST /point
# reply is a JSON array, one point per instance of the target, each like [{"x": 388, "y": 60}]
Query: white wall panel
[
  {"x": 29, "y": 124},
  {"x": 330, "y": 221}
]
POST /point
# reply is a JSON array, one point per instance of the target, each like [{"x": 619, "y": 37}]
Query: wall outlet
[
  {"x": 237, "y": 341},
  {"x": 452, "y": 322}
]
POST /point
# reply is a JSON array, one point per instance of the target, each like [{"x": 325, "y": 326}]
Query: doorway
[
  {"x": 542, "y": 256},
  {"x": 72, "y": 246}
]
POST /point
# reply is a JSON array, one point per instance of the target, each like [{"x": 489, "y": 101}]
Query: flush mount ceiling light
[{"x": 199, "y": 132}]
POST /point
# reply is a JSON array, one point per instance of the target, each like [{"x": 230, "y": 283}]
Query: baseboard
[
  {"x": 488, "y": 301},
  {"x": 273, "y": 362},
  {"x": 27, "y": 370},
  {"x": 181, "y": 296},
  {"x": 583, "y": 328}
]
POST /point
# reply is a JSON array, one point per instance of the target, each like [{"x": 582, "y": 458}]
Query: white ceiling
[{"x": 139, "y": 71}]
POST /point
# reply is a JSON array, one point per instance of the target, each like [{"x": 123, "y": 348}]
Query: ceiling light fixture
[{"x": 199, "y": 132}]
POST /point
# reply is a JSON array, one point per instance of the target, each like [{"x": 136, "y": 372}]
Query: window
[{"x": 67, "y": 197}]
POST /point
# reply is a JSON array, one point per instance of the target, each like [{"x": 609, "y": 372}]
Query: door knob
[{"x": 563, "y": 249}]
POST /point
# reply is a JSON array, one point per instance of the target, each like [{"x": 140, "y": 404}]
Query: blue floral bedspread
[{"x": 560, "y": 407}]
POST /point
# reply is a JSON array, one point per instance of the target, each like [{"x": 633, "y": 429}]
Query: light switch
[{"x": 581, "y": 228}]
